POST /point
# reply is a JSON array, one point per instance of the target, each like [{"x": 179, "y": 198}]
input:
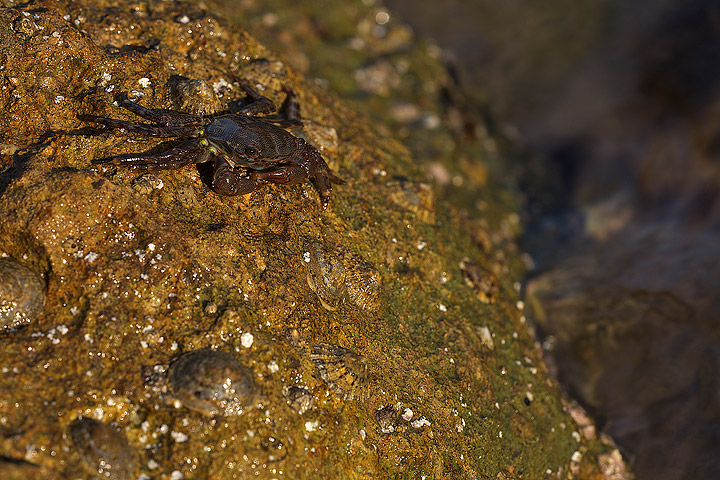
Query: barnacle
[
  {"x": 299, "y": 398},
  {"x": 484, "y": 283},
  {"x": 343, "y": 370},
  {"x": 387, "y": 418},
  {"x": 416, "y": 197}
]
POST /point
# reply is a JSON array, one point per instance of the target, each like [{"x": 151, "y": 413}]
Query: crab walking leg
[
  {"x": 177, "y": 157},
  {"x": 295, "y": 173},
  {"x": 292, "y": 106},
  {"x": 167, "y": 119},
  {"x": 260, "y": 104},
  {"x": 161, "y": 131},
  {"x": 319, "y": 171}
]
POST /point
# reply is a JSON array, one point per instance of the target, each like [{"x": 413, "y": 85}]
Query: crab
[{"x": 247, "y": 151}]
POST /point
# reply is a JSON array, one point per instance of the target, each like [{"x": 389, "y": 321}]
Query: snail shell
[
  {"x": 212, "y": 383},
  {"x": 22, "y": 293},
  {"x": 415, "y": 197},
  {"x": 103, "y": 449}
]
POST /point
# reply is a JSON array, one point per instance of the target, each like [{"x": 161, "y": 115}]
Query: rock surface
[{"x": 143, "y": 267}]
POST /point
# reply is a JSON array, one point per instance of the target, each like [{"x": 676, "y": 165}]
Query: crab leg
[
  {"x": 260, "y": 104},
  {"x": 292, "y": 106},
  {"x": 177, "y": 157},
  {"x": 285, "y": 175},
  {"x": 167, "y": 119},
  {"x": 161, "y": 131}
]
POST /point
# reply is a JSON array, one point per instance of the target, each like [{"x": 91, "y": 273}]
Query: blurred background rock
[{"x": 619, "y": 101}]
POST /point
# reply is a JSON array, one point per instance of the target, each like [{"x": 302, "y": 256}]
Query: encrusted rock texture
[{"x": 372, "y": 355}]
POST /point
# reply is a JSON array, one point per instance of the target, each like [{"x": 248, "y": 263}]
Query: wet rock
[{"x": 130, "y": 290}]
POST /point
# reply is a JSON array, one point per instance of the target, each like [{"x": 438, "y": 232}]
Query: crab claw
[{"x": 319, "y": 171}]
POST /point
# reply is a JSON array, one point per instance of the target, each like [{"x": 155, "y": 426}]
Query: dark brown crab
[{"x": 247, "y": 151}]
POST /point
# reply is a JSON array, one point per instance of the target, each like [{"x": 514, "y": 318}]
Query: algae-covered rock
[{"x": 143, "y": 268}]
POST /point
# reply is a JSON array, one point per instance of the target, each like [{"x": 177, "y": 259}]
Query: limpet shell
[
  {"x": 325, "y": 273},
  {"x": 212, "y": 383},
  {"x": 416, "y": 197},
  {"x": 336, "y": 276},
  {"x": 343, "y": 370},
  {"x": 266, "y": 75},
  {"x": 484, "y": 283},
  {"x": 362, "y": 283},
  {"x": 22, "y": 293},
  {"x": 103, "y": 449},
  {"x": 194, "y": 96}
]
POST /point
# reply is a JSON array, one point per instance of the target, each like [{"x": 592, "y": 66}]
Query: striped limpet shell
[
  {"x": 343, "y": 370},
  {"x": 325, "y": 273},
  {"x": 337, "y": 276},
  {"x": 362, "y": 283}
]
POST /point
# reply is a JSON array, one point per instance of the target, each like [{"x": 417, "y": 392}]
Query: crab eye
[{"x": 251, "y": 152}]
